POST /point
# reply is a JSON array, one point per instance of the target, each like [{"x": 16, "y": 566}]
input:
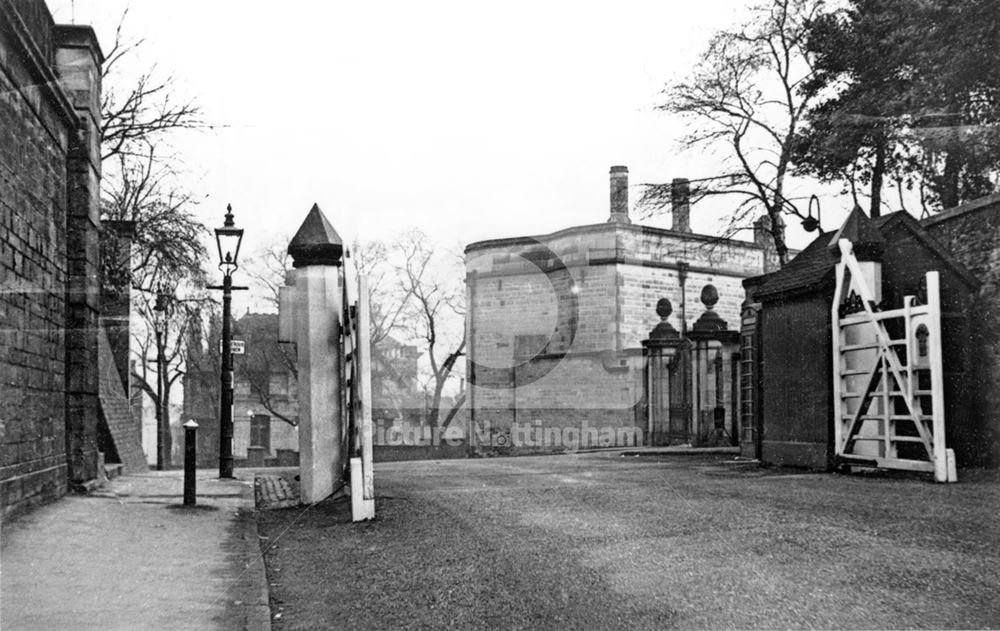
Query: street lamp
[
  {"x": 160, "y": 316},
  {"x": 228, "y": 239},
  {"x": 811, "y": 223}
]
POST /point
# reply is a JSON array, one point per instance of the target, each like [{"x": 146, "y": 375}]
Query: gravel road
[{"x": 601, "y": 541}]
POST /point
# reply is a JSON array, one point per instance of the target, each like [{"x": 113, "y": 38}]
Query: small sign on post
[{"x": 236, "y": 347}]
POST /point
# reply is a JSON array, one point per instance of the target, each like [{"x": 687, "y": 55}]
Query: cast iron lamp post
[
  {"x": 228, "y": 239},
  {"x": 160, "y": 316}
]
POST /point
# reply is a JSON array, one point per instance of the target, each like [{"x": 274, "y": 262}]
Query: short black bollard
[{"x": 190, "y": 460}]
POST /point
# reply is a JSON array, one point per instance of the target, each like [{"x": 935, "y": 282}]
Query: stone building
[
  {"x": 63, "y": 402},
  {"x": 555, "y": 322},
  {"x": 265, "y": 402}
]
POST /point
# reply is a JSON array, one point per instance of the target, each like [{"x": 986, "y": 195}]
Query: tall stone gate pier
[{"x": 310, "y": 317}]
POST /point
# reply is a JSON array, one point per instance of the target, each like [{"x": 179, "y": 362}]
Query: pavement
[{"x": 130, "y": 555}]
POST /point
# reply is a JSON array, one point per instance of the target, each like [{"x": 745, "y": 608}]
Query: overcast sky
[{"x": 471, "y": 120}]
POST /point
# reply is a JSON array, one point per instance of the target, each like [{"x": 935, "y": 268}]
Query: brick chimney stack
[
  {"x": 619, "y": 195},
  {"x": 680, "y": 204},
  {"x": 762, "y": 231}
]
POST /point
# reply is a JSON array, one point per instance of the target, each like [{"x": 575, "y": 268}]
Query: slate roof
[
  {"x": 813, "y": 267},
  {"x": 806, "y": 271},
  {"x": 863, "y": 233}
]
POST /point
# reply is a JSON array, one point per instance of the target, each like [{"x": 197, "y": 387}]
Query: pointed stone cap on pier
[{"x": 316, "y": 242}]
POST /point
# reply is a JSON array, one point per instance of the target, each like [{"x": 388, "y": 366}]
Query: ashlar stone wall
[
  {"x": 47, "y": 257},
  {"x": 555, "y": 323}
]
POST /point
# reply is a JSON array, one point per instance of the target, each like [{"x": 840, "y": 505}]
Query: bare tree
[
  {"x": 135, "y": 111},
  {"x": 139, "y": 182},
  {"x": 139, "y": 113},
  {"x": 169, "y": 240},
  {"x": 161, "y": 350},
  {"x": 745, "y": 97},
  {"x": 267, "y": 267},
  {"x": 387, "y": 303},
  {"x": 433, "y": 299},
  {"x": 394, "y": 375}
]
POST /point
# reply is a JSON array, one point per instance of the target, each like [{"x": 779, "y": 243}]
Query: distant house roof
[
  {"x": 263, "y": 326},
  {"x": 813, "y": 267}
]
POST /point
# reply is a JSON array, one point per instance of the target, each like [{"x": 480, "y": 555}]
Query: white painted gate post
[{"x": 314, "y": 323}]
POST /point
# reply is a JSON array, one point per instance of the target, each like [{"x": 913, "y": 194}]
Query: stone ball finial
[
  {"x": 664, "y": 331},
  {"x": 664, "y": 308},
  {"x": 709, "y": 296},
  {"x": 709, "y": 322}
]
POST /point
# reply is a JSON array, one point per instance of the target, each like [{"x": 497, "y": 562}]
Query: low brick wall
[{"x": 398, "y": 453}]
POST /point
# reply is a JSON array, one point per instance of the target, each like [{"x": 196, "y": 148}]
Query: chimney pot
[
  {"x": 619, "y": 195},
  {"x": 762, "y": 231},
  {"x": 680, "y": 204}
]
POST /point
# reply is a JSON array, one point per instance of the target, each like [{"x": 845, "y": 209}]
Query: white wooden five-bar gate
[{"x": 888, "y": 377}]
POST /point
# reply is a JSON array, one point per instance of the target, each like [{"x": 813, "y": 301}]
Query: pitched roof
[
  {"x": 814, "y": 266},
  {"x": 925, "y": 238},
  {"x": 868, "y": 242},
  {"x": 804, "y": 272}
]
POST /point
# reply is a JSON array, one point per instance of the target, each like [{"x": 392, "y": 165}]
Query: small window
[
  {"x": 260, "y": 431},
  {"x": 922, "y": 335}
]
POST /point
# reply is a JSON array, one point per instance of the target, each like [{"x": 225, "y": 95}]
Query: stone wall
[
  {"x": 47, "y": 184},
  {"x": 617, "y": 274},
  {"x": 555, "y": 323},
  {"x": 971, "y": 233}
]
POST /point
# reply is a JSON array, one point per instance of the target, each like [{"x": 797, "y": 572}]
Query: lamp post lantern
[
  {"x": 160, "y": 315},
  {"x": 228, "y": 239}
]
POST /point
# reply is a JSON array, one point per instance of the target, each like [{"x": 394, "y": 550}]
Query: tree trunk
[
  {"x": 778, "y": 234},
  {"x": 949, "y": 180},
  {"x": 459, "y": 402},
  {"x": 878, "y": 173},
  {"x": 168, "y": 443},
  {"x": 434, "y": 415}
]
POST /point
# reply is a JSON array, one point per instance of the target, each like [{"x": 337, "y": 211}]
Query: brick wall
[
  {"x": 797, "y": 373},
  {"x": 33, "y": 145},
  {"x": 38, "y": 135}
]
